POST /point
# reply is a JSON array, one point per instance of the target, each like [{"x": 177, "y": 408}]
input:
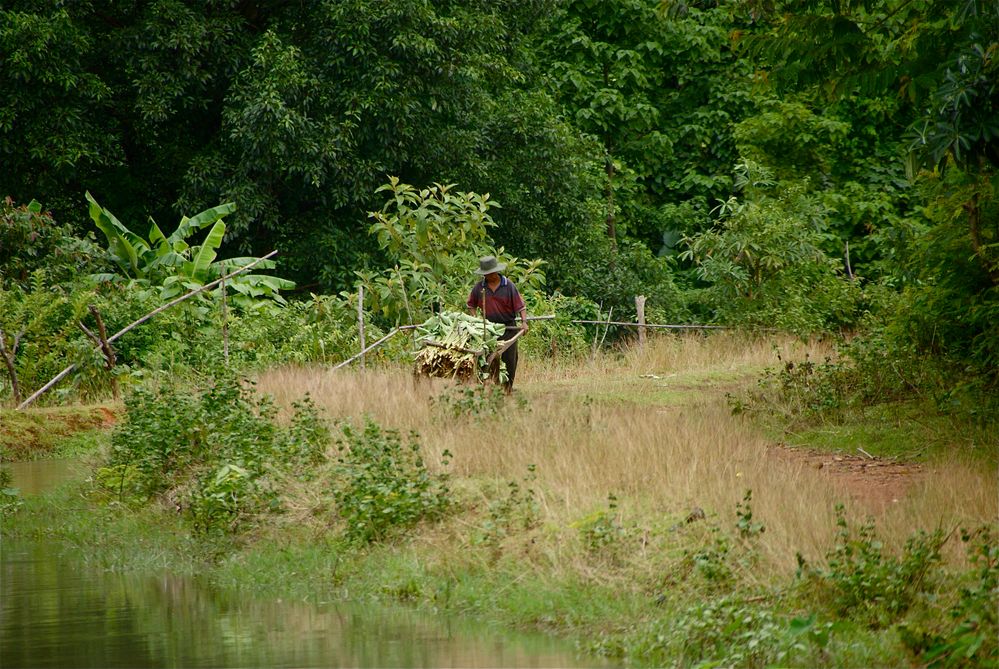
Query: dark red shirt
[{"x": 502, "y": 304}]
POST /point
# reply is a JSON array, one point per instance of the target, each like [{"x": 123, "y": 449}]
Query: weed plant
[
  {"x": 10, "y": 497},
  {"x": 602, "y": 530},
  {"x": 210, "y": 452},
  {"x": 470, "y": 400},
  {"x": 381, "y": 484},
  {"x": 477, "y": 400},
  {"x": 966, "y": 636},
  {"x": 862, "y": 582},
  {"x": 511, "y": 513}
]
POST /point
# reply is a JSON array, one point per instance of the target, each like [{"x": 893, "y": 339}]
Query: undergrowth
[{"x": 892, "y": 402}]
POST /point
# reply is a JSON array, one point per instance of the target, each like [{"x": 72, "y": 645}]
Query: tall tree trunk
[
  {"x": 609, "y": 168},
  {"x": 611, "y": 223}
]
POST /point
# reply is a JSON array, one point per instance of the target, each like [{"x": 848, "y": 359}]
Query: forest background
[{"x": 810, "y": 165}]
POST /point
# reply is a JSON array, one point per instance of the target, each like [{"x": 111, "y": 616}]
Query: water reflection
[
  {"x": 56, "y": 613},
  {"x": 33, "y": 476}
]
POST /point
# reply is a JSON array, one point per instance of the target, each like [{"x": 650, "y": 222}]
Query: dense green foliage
[
  {"x": 381, "y": 484},
  {"x": 217, "y": 454},
  {"x": 814, "y": 165}
]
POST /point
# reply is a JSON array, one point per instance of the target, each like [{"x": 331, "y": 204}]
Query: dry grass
[{"x": 660, "y": 461}]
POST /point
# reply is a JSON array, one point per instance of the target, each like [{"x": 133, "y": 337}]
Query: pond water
[{"x": 55, "y": 612}]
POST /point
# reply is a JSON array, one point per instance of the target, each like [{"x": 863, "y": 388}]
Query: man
[{"x": 500, "y": 301}]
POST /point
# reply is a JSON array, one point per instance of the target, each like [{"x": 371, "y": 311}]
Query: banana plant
[{"x": 170, "y": 265}]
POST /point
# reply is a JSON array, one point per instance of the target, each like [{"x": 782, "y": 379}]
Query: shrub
[
  {"x": 31, "y": 240},
  {"x": 382, "y": 484},
  {"x": 558, "y": 338},
  {"x": 969, "y": 635},
  {"x": 863, "y": 583},
  {"x": 159, "y": 440},
  {"x": 210, "y": 452},
  {"x": 220, "y": 498},
  {"x": 722, "y": 632},
  {"x": 720, "y": 561}
]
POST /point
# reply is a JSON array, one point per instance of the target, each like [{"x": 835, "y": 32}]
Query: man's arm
[
  {"x": 523, "y": 319},
  {"x": 472, "y": 303}
]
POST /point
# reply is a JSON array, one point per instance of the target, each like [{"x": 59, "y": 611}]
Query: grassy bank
[
  {"x": 52, "y": 431},
  {"x": 607, "y": 501}
]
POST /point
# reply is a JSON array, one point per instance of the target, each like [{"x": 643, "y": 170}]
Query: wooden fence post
[
  {"x": 640, "y": 314},
  {"x": 360, "y": 318}
]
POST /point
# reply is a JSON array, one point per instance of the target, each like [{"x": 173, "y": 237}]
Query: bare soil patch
[{"x": 875, "y": 482}]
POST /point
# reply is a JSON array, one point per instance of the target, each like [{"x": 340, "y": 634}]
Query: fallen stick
[{"x": 865, "y": 453}]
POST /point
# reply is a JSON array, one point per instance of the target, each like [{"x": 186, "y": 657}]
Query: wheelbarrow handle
[{"x": 503, "y": 347}]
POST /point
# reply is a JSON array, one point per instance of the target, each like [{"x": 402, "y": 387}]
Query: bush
[
  {"x": 969, "y": 635},
  {"x": 723, "y": 632},
  {"x": 863, "y": 583},
  {"x": 382, "y": 484},
  {"x": 210, "y": 452},
  {"x": 220, "y": 497},
  {"x": 31, "y": 240}
]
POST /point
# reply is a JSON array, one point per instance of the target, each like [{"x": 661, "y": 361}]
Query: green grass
[{"x": 910, "y": 431}]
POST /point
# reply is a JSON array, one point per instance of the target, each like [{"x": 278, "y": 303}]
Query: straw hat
[{"x": 488, "y": 265}]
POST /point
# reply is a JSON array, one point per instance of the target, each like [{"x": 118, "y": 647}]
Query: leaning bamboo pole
[{"x": 61, "y": 375}]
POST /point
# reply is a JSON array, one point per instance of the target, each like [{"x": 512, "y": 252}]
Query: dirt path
[{"x": 877, "y": 483}]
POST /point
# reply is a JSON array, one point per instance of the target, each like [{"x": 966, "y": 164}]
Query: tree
[
  {"x": 660, "y": 89},
  {"x": 940, "y": 57},
  {"x": 57, "y": 129},
  {"x": 172, "y": 266},
  {"x": 434, "y": 236}
]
